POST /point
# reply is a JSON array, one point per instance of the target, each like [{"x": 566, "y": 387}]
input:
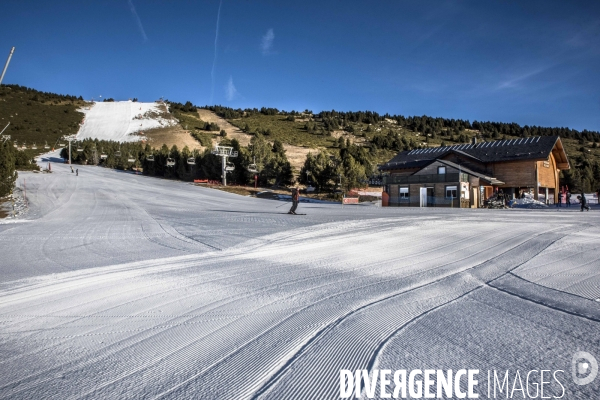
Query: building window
[
  {"x": 403, "y": 193},
  {"x": 450, "y": 192},
  {"x": 441, "y": 170}
]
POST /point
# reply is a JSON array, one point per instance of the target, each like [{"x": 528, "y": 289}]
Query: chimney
[{"x": 474, "y": 140}]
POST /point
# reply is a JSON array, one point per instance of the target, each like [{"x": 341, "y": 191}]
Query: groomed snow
[
  {"x": 125, "y": 286},
  {"x": 121, "y": 120}
]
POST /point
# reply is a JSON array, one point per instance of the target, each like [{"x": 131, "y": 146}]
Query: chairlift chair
[
  {"x": 229, "y": 166},
  {"x": 170, "y": 162},
  {"x": 103, "y": 156},
  {"x": 130, "y": 158},
  {"x": 34, "y": 147},
  {"x": 191, "y": 161},
  {"x": 15, "y": 144},
  {"x": 79, "y": 149},
  {"x": 150, "y": 158},
  {"x": 252, "y": 167},
  {"x": 46, "y": 146},
  {"x": 118, "y": 153}
]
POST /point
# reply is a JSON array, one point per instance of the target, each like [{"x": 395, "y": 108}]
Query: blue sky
[{"x": 530, "y": 62}]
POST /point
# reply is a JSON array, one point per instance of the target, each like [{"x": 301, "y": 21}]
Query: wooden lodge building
[{"x": 466, "y": 175}]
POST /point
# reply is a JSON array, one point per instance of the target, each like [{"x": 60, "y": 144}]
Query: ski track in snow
[{"x": 125, "y": 286}]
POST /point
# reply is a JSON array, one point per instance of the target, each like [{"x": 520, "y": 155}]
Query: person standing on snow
[
  {"x": 77, "y": 172},
  {"x": 584, "y": 202},
  {"x": 295, "y": 200},
  {"x": 568, "y": 199},
  {"x": 560, "y": 197}
]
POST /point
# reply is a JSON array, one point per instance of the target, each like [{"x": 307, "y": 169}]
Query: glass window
[
  {"x": 450, "y": 192},
  {"x": 403, "y": 193},
  {"x": 441, "y": 170}
]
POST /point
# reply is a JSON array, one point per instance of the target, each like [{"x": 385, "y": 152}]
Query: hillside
[
  {"x": 384, "y": 135},
  {"x": 123, "y": 121},
  {"x": 37, "y": 117},
  {"x": 356, "y": 142}
]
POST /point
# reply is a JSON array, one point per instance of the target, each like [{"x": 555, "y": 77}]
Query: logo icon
[{"x": 584, "y": 368}]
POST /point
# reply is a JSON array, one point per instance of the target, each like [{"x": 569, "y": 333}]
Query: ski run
[
  {"x": 122, "y": 121},
  {"x": 118, "y": 285}
]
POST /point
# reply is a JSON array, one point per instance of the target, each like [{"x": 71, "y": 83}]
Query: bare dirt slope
[
  {"x": 233, "y": 132},
  {"x": 173, "y": 135},
  {"x": 295, "y": 154}
]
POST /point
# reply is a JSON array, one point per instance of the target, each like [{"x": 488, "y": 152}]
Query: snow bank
[
  {"x": 527, "y": 202},
  {"x": 122, "y": 120}
]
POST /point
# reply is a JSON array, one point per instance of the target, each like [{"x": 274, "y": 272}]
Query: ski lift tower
[
  {"x": 70, "y": 139},
  {"x": 224, "y": 152}
]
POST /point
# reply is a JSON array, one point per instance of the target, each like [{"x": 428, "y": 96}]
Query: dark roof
[
  {"x": 532, "y": 148},
  {"x": 489, "y": 179}
]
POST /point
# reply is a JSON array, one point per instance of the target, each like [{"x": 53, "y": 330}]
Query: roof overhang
[
  {"x": 489, "y": 179},
  {"x": 560, "y": 155}
]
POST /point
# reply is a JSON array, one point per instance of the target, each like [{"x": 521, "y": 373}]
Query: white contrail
[
  {"x": 137, "y": 19},
  {"x": 212, "y": 72}
]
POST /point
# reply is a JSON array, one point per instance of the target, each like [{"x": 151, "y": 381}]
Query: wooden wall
[
  {"x": 547, "y": 173},
  {"x": 515, "y": 173}
]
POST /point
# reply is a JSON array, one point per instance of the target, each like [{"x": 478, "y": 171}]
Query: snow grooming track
[
  {"x": 175, "y": 291},
  {"x": 398, "y": 315}
]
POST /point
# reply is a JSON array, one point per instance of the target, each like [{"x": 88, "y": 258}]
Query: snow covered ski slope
[
  {"x": 124, "y": 286},
  {"x": 120, "y": 120}
]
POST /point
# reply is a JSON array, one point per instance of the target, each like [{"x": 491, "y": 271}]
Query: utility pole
[{"x": 6, "y": 65}]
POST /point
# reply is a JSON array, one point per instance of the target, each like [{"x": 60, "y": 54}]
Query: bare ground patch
[
  {"x": 295, "y": 154},
  {"x": 173, "y": 135}
]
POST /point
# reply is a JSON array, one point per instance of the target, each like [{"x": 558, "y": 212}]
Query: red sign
[{"x": 350, "y": 200}]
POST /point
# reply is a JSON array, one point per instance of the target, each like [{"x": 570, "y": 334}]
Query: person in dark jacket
[
  {"x": 584, "y": 203},
  {"x": 560, "y": 198},
  {"x": 295, "y": 200},
  {"x": 568, "y": 199}
]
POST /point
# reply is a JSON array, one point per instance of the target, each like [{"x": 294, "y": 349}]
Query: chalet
[{"x": 467, "y": 174}]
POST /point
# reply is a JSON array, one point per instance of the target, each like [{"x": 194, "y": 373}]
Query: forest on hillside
[
  {"x": 348, "y": 145},
  {"x": 393, "y": 133}
]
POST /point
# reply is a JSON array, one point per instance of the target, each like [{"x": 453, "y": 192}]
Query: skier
[
  {"x": 584, "y": 203},
  {"x": 72, "y": 169},
  {"x": 568, "y": 199},
  {"x": 77, "y": 172},
  {"x": 295, "y": 200},
  {"x": 560, "y": 198}
]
